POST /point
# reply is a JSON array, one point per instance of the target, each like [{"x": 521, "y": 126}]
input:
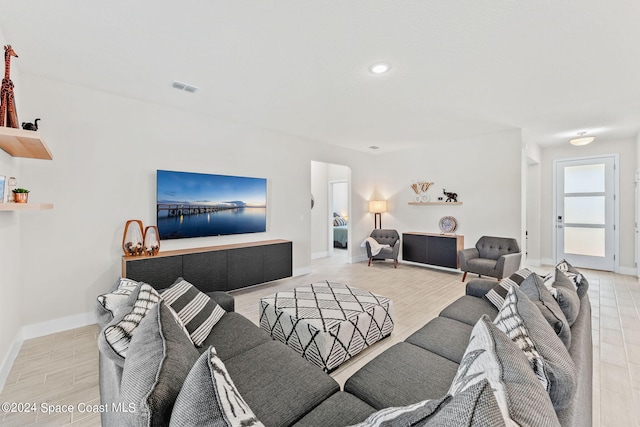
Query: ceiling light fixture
[
  {"x": 582, "y": 139},
  {"x": 183, "y": 86},
  {"x": 380, "y": 68}
]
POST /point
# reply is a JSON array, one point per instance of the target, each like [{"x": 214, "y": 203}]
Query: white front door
[{"x": 585, "y": 212}]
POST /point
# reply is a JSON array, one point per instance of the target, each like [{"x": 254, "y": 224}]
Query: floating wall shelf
[
  {"x": 25, "y": 206},
  {"x": 24, "y": 143},
  {"x": 434, "y": 203}
]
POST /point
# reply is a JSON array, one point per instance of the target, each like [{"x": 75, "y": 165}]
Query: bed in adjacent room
[{"x": 340, "y": 231}]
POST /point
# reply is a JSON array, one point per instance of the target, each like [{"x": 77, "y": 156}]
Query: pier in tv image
[{"x": 200, "y": 205}]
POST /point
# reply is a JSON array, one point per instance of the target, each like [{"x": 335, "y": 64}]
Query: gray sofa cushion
[
  {"x": 468, "y": 309},
  {"x": 491, "y": 355},
  {"x": 414, "y": 374},
  {"x": 279, "y": 385},
  {"x": 339, "y": 410},
  {"x": 479, "y": 287},
  {"x": 209, "y": 397},
  {"x": 443, "y": 336},
  {"x": 533, "y": 288},
  {"x": 225, "y": 300},
  {"x": 234, "y": 334},
  {"x": 522, "y": 321},
  {"x": 160, "y": 357}
]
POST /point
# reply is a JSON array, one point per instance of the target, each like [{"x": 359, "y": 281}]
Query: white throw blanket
[{"x": 375, "y": 246}]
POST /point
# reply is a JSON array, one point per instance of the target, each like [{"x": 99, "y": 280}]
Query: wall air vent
[{"x": 183, "y": 86}]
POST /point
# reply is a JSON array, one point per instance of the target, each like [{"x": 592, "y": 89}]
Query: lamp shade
[{"x": 377, "y": 206}]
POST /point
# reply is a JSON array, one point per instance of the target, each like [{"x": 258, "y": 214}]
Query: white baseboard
[
  {"x": 318, "y": 255},
  {"x": 302, "y": 271},
  {"x": 547, "y": 261},
  {"x": 58, "y": 325},
  {"x": 358, "y": 258},
  {"x": 532, "y": 262},
  {"x": 629, "y": 271},
  {"x": 7, "y": 363}
]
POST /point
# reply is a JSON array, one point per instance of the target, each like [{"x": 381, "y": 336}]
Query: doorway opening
[{"x": 330, "y": 225}]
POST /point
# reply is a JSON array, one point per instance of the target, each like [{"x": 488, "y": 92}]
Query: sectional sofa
[{"x": 283, "y": 389}]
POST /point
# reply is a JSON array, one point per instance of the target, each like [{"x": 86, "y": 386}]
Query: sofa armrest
[
  {"x": 223, "y": 299},
  {"x": 508, "y": 264},
  {"x": 465, "y": 255},
  {"x": 396, "y": 249},
  {"x": 479, "y": 287},
  {"x": 368, "y": 246}
]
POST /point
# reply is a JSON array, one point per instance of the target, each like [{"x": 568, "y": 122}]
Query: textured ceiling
[{"x": 459, "y": 68}]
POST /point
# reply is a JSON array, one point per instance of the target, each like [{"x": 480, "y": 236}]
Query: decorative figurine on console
[
  {"x": 451, "y": 197},
  {"x": 8, "y": 114},
  {"x": 30, "y": 126}
]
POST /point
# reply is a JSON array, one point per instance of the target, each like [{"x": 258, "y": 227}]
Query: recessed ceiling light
[
  {"x": 380, "y": 68},
  {"x": 374, "y": 147},
  {"x": 582, "y": 139}
]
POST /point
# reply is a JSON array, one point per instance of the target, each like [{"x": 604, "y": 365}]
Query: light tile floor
[{"x": 62, "y": 368}]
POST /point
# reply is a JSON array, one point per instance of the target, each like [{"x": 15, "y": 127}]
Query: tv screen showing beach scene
[{"x": 200, "y": 205}]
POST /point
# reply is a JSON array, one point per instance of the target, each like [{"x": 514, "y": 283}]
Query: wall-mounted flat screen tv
[{"x": 200, "y": 205}]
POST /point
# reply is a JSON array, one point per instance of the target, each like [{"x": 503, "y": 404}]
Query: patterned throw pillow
[
  {"x": 523, "y": 322},
  {"x": 339, "y": 221},
  {"x": 198, "y": 312},
  {"x": 499, "y": 291},
  {"x": 568, "y": 270},
  {"x": 564, "y": 291},
  {"x": 491, "y": 355},
  {"x": 116, "y": 336},
  {"x": 474, "y": 407},
  {"x": 112, "y": 301},
  {"x": 210, "y": 398}
]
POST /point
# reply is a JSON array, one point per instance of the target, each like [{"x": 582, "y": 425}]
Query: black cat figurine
[{"x": 30, "y": 126}]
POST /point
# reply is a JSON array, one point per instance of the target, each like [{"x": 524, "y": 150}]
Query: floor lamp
[{"x": 376, "y": 207}]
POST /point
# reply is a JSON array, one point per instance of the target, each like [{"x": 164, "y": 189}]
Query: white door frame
[{"x": 616, "y": 202}]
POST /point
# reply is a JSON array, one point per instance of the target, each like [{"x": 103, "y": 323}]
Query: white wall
[
  {"x": 341, "y": 199},
  {"x": 11, "y": 283},
  {"x": 319, "y": 221},
  {"x": 485, "y": 172},
  {"x": 626, "y": 148},
  {"x": 106, "y": 151}
]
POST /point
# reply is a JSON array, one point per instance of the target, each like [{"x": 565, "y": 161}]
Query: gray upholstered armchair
[
  {"x": 385, "y": 237},
  {"x": 493, "y": 256}
]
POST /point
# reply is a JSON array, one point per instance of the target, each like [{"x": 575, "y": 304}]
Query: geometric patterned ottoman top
[{"x": 327, "y": 322}]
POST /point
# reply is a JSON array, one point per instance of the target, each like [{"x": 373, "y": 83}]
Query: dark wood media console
[
  {"x": 433, "y": 249},
  {"x": 215, "y": 268}
]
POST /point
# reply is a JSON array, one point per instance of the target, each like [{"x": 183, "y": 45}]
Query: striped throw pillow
[
  {"x": 112, "y": 301},
  {"x": 196, "y": 310},
  {"x": 498, "y": 293}
]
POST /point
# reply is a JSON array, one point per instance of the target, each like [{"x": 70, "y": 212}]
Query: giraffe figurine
[{"x": 8, "y": 114}]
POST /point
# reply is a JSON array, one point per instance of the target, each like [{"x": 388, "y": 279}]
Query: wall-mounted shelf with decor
[
  {"x": 24, "y": 143},
  {"x": 25, "y": 206},
  {"x": 434, "y": 203}
]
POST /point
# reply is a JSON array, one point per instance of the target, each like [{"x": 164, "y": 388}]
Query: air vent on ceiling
[{"x": 183, "y": 86}]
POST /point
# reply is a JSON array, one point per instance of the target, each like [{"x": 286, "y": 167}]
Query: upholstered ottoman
[{"x": 327, "y": 322}]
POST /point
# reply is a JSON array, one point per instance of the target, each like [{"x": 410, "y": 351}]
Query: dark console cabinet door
[
  {"x": 158, "y": 272},
  {"x": 206, "y": 270},
  {"x": 432, "y": 249},
  {"x": 245, "y": 267},
  {"x": 277, "y": 261},
  {"x": 414, "y": 248},
  {"x": 442, "y": 251}
]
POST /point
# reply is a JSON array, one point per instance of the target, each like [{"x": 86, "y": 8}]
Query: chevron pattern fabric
[{"x": 327, "y": 322}]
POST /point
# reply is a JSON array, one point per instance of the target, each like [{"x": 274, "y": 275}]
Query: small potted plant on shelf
[{"x": 20, "y": 195}]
